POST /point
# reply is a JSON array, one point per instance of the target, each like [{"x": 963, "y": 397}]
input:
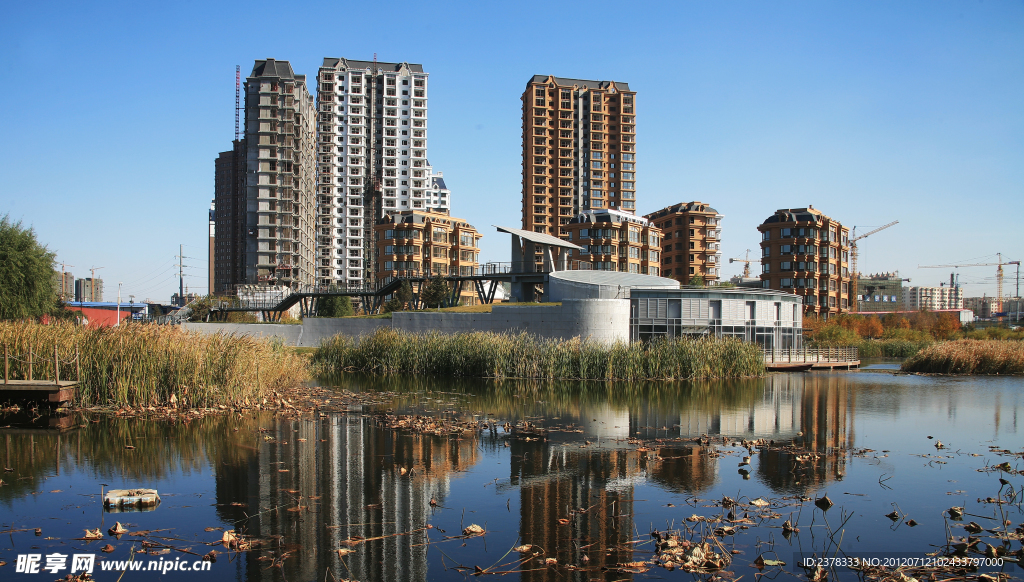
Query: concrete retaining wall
[{"x": 603, "y": 320}]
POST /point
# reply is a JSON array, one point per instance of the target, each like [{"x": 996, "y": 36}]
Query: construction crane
[
  {"x": 746, "y": 264},
  {"x": 999, "y": 274},
  {"x": 854, "y": 273},
  {"x": 92, "y": 285}
]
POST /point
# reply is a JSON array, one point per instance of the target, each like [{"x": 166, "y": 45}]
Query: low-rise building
[
  {"x": 692, "y": 241},
  {"x": 612, "y": 240},
  {"x": 417, "y": 243},
  {"x": 807, "y": 253},
  {"x": 880, "y": 292},
  {"x": 772, "y": 319},
  {"x": 933, "y": 298}
]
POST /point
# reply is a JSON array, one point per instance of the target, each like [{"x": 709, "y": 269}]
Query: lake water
[{"x": 613, "y": 463}]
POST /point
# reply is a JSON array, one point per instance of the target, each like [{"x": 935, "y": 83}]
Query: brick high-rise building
[
  {"x": 229, "y": 219},
  {"x": 280, "y": 176},
  {"x": 807, "y": 253},
  {"x": 692, "y": 244},
  {"x": 372, "y": 158},
  {"x": 579, "y": 150}
]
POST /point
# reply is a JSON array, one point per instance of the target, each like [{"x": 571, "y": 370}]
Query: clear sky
[{"x": 872, "y": 111}]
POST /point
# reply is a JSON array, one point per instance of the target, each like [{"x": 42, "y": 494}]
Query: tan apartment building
[
  {"x": 280, "y": 185},
  {"x": 579, "y": 150},
  {"x": 807, "y": 253},
  {"x": 416, "y": 243},
  {"x": 613, "y": 240},
  {"x": 692, "y": 241}
]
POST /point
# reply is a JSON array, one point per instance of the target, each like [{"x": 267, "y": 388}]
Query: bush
[{"x": 335, "y": 306}]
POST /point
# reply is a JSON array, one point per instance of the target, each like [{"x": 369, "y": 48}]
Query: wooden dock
[
  {"x": 793, "y": 360},
  {"x": 54, "y": 391}
]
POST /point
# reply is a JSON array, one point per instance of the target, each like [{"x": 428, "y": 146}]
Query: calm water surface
[{"x": 309, "y": 485}]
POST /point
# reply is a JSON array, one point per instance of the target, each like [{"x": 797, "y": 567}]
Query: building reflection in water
[{"x": 318, "y": 495}]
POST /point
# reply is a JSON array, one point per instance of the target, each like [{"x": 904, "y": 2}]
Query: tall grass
[
  {"x": 967, "y": 356},
  {"x": 506, "y": 355},
  {"x": 140, "y": 365}
]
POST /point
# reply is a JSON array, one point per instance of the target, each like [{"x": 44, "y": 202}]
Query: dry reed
[
  {"x": 506, "y": 355},
  {"x": 965, "y": 356},
  {"x": 142, "y": 365}
]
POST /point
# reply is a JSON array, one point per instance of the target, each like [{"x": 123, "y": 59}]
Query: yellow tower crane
[
  {"x": 746, "y": 264},
  {"x": 854, "y": 273},
  {"x": 999, "y": 274}
]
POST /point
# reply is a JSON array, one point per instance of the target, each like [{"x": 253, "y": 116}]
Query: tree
[
  {"x": 871, "y": 327},
  {"x": 404, "y": 292},
  {"x": 946, "y": 325},
  {"x": 697, "y": 281},
  {"x": 435, "y": 293},
  {"x": 335, "y": 306},
  {"x": 27, "y": 288},
  {"x": 393, "y": 304}
]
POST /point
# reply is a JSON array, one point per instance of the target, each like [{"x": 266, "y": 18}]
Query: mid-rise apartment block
[
  {"x": 579, "y": 150},
  {"x": 89, "y": 289},
  {"x": 229, "y": 228},
  {"x": 807, "y": 253},
  {"x": 933, "y": 298},
  {"x": 372, "y": 161},
  {"x": 414, "y": 243},
  {"x": 879, "y": 293},
  {"x": 280, "y": 176},
  {"x": 613, "y": 240},
  {"x": 692, "y": 241}
]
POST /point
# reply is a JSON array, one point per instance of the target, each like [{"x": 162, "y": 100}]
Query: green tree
[
  {"x": 336, "y": 306},
  {"x": 27, "y": 288},
  {"x": 405, "y": 292},
  {"x": 393, "y": 304},
  {"x": 435, "y": 293},
  {"x": 697, "y": 281}
]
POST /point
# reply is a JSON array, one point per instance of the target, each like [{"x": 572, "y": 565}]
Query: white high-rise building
[{"x": 372, "y": 160}]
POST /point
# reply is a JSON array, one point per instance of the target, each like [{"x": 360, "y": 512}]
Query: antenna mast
[{"x": 238, "y": 86}]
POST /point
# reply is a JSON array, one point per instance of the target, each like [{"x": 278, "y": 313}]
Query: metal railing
[{"x": 810, "y": 355}]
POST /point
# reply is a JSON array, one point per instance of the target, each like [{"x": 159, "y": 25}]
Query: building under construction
[{"x": 882, "y": 292}]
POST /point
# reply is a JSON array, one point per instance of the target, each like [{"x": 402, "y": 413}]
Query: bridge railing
[{"x": 811, "y": 355}]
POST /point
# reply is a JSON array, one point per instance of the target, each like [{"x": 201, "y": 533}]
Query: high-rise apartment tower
[
  {"x": 372, "y": 160},
  {"x": 229, "y": 216},
  {"x": 280, "y": 176},
  {"x": 579, "y": 150}
]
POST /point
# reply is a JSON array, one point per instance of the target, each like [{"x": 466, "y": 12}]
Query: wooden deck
[
  {"x": 794, "y": 360},
  {"x": 55, "y": 392}
]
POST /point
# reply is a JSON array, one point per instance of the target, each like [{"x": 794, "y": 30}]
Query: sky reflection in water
[{"x": 321, "y": 481}]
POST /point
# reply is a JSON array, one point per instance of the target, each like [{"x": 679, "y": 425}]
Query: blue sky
[{"x": 870, "y": 111}]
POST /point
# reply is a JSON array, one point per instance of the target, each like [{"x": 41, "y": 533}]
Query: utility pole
[
  {"x": 181, "y": 276},
  {"x": 92, "y": 283}
]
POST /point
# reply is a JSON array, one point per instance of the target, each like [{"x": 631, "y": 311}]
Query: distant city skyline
[{"x": 871, "y": 112}]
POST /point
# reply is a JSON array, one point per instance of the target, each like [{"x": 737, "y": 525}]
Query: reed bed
[
  {"x": 145, "y": 365},
  {"x": 965, "y": 356},
  {"x": 507, "y": 355}
]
